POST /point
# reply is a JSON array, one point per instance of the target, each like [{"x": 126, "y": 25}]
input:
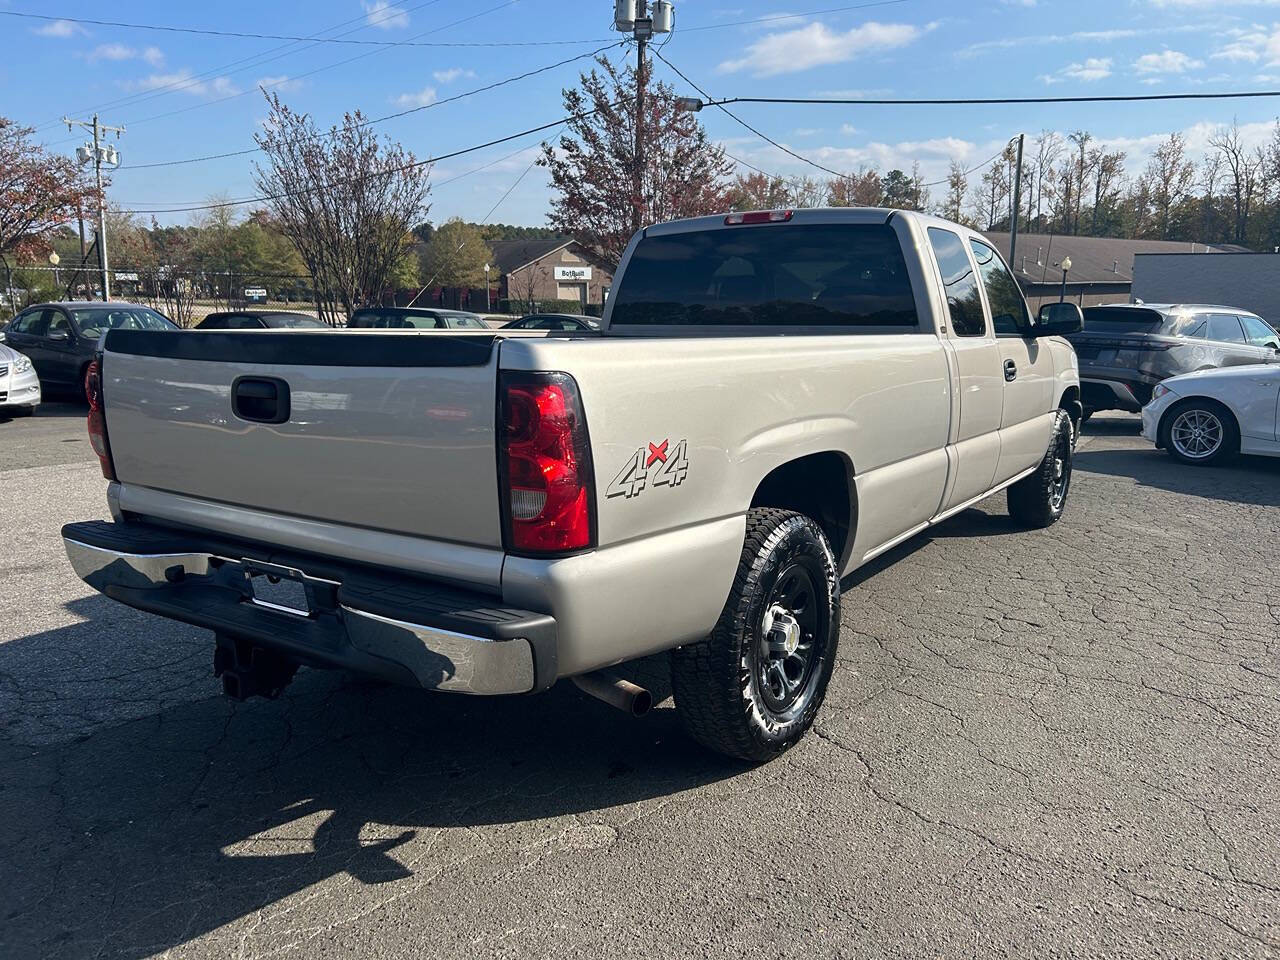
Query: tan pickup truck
[{"x": 773, "y": 399}]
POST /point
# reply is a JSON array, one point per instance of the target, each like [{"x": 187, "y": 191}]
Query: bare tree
[
  {"x": 1167, "y": 178},
  {"x": 1108, "y": 174},
  {"x": 1081, "y": 139},
  {"x": 957, "y": 185},
  {"x": 1048, "y": 147},
  {"x": 1243, "y": 168},
  {"x": 346, "y": 199}
]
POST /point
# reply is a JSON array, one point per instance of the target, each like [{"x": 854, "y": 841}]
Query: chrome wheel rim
[
  {"x": 789, "y": 647},
  {"x": 1196, "y": 434},
  {"x": 1061, "y": 473}
]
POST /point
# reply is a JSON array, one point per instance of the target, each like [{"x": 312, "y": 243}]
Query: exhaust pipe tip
[{"x": 618, "y": 693}]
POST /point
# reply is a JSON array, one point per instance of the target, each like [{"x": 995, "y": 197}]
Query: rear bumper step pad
[{"x": 372, "y": 622}]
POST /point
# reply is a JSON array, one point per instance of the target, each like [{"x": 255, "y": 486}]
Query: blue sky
[{"x": 183, "y": 95}]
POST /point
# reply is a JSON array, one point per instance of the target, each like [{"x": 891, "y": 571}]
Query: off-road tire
[
  {"x": 1038, "y": 500},
  {"x": 715, "y": 683},
  {"x": 1230, "y": 443}
]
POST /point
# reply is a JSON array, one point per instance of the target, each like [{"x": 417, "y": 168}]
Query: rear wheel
[
  {"x": 1200, "y": 432},
  {"x": 1038, "y": 500},
  {"x": 754, "y": 686}
]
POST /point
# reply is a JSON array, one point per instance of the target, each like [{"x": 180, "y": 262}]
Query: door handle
[
  {"x": 1010, "y": 370},
  {"x": 260, "y": 399}
]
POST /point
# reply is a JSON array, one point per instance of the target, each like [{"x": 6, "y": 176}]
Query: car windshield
[
  {"x": 94, "y": 321},
  {"x": 816, "y": 275},
  {"x": 464, "y": 321},
  {"x": 291, "y": 320}
]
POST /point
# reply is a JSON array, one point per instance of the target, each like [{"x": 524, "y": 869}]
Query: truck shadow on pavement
[
  {"x": 1254, "y": 480},
  {"x": 180, "y": 816}
]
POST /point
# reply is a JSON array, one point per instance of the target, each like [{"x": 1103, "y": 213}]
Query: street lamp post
[
  {"x": 1066, "y": 265},
  {"x": 488, "y": 302},
  {"x": 54, "y": 260}
]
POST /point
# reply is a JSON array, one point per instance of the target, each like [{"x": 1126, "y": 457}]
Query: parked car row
[{"x": 52, "y": 344}]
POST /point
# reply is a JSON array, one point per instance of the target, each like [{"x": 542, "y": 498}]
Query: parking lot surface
[{"x": 1060, "y": 743}]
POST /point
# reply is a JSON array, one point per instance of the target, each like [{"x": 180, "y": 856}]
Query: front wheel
[
  {"x": 1199, "y": 432},
  {"x": 754, "y": 686},
  {"x": 1038, "y": 499}
]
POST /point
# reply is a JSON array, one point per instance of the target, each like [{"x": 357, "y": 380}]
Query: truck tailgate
[{"x": 388, "y": 431}]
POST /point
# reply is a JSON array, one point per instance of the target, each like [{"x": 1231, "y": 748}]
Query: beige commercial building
[{"x": 545, "y": 270}]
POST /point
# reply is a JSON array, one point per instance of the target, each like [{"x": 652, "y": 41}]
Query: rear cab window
[{"x": 792, "y": 276}]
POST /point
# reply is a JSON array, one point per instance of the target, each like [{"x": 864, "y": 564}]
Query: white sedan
[
  {"x": 19, "y": 385},
  {"x": 1210, "y": 415}
]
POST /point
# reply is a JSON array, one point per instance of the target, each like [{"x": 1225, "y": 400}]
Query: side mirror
[
  {"x": 1058, "y": 319},
  {"x": 59, "y": 336},
  {"x": 2, "y": 337}
]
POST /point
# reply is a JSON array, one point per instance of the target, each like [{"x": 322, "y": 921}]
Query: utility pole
[
  {"x": 642, "y": 38},
  {"x": 99, "y": 154},
  {"x": 636, "y": 18},
  {"x": 1017, "y": 204}
]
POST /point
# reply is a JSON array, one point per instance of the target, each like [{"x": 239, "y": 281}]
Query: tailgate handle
[{"x": 260, "y": 399}]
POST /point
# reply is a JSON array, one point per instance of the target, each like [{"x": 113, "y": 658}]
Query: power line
[
  {"x": 987, "y": 101},
  {"x": 245, "y": 35},
  {"x": 739, "y": 120},
  {"x": 239, "y": 35},
  {"x": 256, "y": 60},
  {"x": 390, "y": 116},
  {"x": 328, "y": 66},
  {"x": 382, "y": 173}
]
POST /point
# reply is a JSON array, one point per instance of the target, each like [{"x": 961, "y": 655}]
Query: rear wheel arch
[{"x": 819, "y": 486}]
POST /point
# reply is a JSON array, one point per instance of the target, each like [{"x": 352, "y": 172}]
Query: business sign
[
  {"x": 126, "y": 276},
  {"x": 573, "y": 273},
  {"x": 255, "y": 294}
]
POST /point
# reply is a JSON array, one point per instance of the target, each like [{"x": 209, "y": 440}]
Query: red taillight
[
  {"x": 758, "y": 216},
  {"x": 546, "y": 465},
  {"x": 98, "y": 418}
]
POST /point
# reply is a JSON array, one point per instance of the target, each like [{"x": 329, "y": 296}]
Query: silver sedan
[{"x": 19, "y": 385}]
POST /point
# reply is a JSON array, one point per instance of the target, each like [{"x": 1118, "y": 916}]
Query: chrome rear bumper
[{"x": 407, "y": 631}]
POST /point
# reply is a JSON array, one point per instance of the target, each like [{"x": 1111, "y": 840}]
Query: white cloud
[
  {"x": 425, "y": 96},
  {"x": 60, "y": 28},
  {"x": 452, "y": 74},
  {"x": 1251, "y": 45},
  {"x": 281, "y": 83},
  {"x": 110, "y": 51},
  {"x": 1079, "y": 36},
  {"x": 848, "y": 129},
  {"x": 1166, "y": 61},
  {"x": 183, "y": 81},
  {"x": 806, "y": 131},
  {"x": 118, "y": 51},
  {"x": 817, "y": 44},
  {"x": 385, "y": 16},
  {"x": 1094, "y": 68}
]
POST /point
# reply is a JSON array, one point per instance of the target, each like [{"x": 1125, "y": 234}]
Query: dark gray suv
[
  {"x": 1126, "y": 349},
  {"x": 61, "y": 338}
]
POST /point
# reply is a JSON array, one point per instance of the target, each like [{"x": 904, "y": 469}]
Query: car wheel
[
  {"x": 754, "y": 686},
  {"x": 1200, "y": 432},
  {"x": 1038, "y": 499}
]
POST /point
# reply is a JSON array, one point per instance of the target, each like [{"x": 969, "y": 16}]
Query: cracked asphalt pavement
[{"x": 1056, "y": 743}]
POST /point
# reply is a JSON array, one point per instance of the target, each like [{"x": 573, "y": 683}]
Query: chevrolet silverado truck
[{"x": 773, "y": 399}]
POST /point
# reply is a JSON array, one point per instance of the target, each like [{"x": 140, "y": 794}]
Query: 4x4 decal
[{"x": 654, "y": 464}]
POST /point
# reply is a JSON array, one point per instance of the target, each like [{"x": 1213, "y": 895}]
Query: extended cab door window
[
  {"x": 959, "y": 283},
  {"x": 1009, "y": 313}
]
